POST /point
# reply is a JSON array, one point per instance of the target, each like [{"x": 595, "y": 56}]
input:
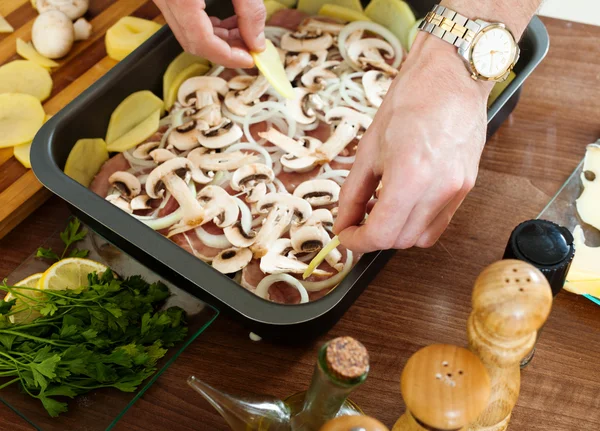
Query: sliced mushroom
[
  {"x": 312, "y": 236},
  {"x": 142, "y": 151},
  {"x": 278, "y": 260},
  {"x": 185, "y": 137},
  {"x": 236, "y": 235},
  {"x": 313, "y": 24},
  {"x": 140, "y": 203},
  {"x": 306, "y": 163},
  {"x": 127, "y": 184},
  {"x": 318, "y": 192},
  {"x": 201, "y": 91},
  {"x": 282, "y": 208},
  {"x": 161, "y": 155},
  {"x": 296, "y": 64},
  {"x": 241, "y": 82},
  {"x": 315, "y": 78},
  {"x": 299, "y": 107},
  {"x": 219, "y": 206},
  {"x": 220, "y": 161},
  {"x": 177, "y": 166},
  {"x": 221, "y": 135},
  {"x": 232, "y": 260},
  {"x": 248, "y": 177},
  {"x": 118, "y": 201},
  {"x": 306, "y": 41},
  {"x": 211, "y": 114},
  {"x": 317, "y": 58},
  {"x": 257, "y": 193},
  {"x": 240, "y": 101},
  {"x": 287, "y": 144},
  {"x": 366, "y": 53},
  {"x": 350, "y": 126},
  {"x": 376, "y": 85}
]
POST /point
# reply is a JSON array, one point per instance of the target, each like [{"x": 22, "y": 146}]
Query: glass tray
[
  {"x": 562, "y": 210},
  {"x": 103, "y": 408}
]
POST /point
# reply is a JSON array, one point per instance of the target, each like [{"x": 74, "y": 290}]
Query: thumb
[{"x": 251, "y": 22}]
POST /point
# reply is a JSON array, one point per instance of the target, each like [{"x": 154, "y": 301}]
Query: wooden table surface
[{"x": 422, "y": 296}]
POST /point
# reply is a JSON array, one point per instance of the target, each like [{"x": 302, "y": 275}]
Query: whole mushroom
[
  {"x": 53, "y": 33},
  {"x": 72, "y": 8}
]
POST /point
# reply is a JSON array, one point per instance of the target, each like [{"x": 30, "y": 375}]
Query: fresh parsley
[
  {"x": 110, "y": 333},
  {"x": 69, "y": 236}
]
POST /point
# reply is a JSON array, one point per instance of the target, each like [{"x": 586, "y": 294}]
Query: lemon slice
[
  {"x": 270, "y": 65},
  {"x": 320, "y": 257},
  {"x": 26, "y": 315},
  {"x": 70, "y": 273}
]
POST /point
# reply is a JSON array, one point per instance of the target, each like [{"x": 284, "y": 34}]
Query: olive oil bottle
[{"x": 342, "y": 365}]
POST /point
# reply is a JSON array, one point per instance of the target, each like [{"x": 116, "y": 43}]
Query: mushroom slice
[
  {"x": 142, "y": 151},
  {"x": 240, "y": 101},
  {"x": 296, "y": 64},
  {"x": 351, "y": 123},
  {"x": 369, "y": 48},
  {"x": 299, "y": 107},
  {"x": 200, "y": 87},
  {"x": 177, "y": 166},
  {"x": 219, "y": 206},
  {"x": 236, "y": 235},
  {"x": 232, "y": 260},
  {"x": 211, "y": 114},
  {"x": 257, "y": 193},
  {"x": 241, "y": 82},
  {"x": 185, "y": 137},
  {"x": 220, "y": 161},
  {"x": 140, "y": 203},
  {"x": 287, "y": 144},
  {"x": 318, "y": 192},
  {"x": 119, "y": 202},
  {"x": 314, "y": 25},
  {"x": 161, "y": 155},
  {"x": 316, "y": 77},
  {"x": 312, "y": 236},
  {"x": 282, "y": 209},
  {"x": 221, "y": 136},
  {"x": 278, "y": 261},
  {"x": 317, "y": 58},
  {"x": 305, "y": 41},
  {"x": 127, "y": 184},
  {"x": 306, "y": 163},
  {"x": 250, "y": 175},
  {"x": 376, "y": 85}
]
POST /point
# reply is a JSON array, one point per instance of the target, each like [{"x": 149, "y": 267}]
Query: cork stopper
[
  {"x": 445, "y": 387},
  {"x": 354, "y": 423},
  {"x": 346, "y": 358},
  {"x": 511, "y": 298}
]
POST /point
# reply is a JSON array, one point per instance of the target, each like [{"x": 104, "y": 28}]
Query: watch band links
[{"x": 450, "y": 26}]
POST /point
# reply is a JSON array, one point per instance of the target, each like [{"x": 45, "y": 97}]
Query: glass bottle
[{"x": 342, "y": 365}]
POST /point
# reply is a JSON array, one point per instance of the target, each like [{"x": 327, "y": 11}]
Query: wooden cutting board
[{"x": 20, "y": 192}]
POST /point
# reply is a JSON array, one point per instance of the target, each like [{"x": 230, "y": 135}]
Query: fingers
[
  {"x": 435, "y": 230},
  {"x": 251, "y": 16}
]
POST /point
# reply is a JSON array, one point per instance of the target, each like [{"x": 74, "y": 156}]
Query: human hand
[
  {"x": 424, "y": 145},
  {"x": 226, "y": 42}
]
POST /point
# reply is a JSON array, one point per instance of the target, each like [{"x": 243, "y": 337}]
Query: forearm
[{"x": 516, "y": 14}]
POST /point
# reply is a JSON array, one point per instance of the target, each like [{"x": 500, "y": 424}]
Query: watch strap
[{"x": 450, "y": 26}]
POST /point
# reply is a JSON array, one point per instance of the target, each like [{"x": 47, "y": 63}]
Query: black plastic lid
[{"x": 547, "y": 246}]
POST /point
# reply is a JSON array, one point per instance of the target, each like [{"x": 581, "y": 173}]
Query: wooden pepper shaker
[
  {"x": 511, "y": 301},
  {"x": 354, "y": 423},
  {"x": 444, "y": 387}
]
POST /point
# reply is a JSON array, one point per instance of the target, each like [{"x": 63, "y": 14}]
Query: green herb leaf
[
  {"x": 53, "y": 407},
  {"x": 78, "y": 253},
  {"x": 47, "y": 253},
  {"x": 64, "y": 391},
  {"x": 5, "y": 306}
]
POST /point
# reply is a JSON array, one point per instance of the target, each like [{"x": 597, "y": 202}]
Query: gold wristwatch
[{"x": 489, "y": 50}]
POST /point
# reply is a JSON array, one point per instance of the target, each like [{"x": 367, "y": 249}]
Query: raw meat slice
[
  {"x": 287, "y": 18},
  {"x": 100, "y": 184}
]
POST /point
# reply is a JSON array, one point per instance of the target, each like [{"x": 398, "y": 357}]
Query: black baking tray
[{"x": 87, "y": 117}]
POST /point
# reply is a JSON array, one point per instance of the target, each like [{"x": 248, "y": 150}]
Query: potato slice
[
  {"x": 132, "y": 111},
  {"x": 127, "y": 34},
  {"x": 28, "y": 52},
  {"x": 85, "y": 160},
  {"x": 5, "y": 27},
  {"x": 286, "y": 3},
  {"x": 137, "y": 135},
  {"x": 181, "y": 62},
  {"x": 21, "y": 116},
  {"x": 312, "y": 7},
  {"x": 269, "y": 64},
  {"x": 196, "y": 69},
  {"x": 24, "y": 76},
  {"x": 273, "y": 6},
  {"x": 395, "y": 15},
  {"x": 499, "y": 87},
  {"x": 22, "y": 152},
  {"x": 342, "y": 13}
]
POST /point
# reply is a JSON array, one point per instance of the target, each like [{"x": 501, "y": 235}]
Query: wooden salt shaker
[
  {"x": 511, "y": 301},
  {"x": 444, "y": 388},
  {"x": 354, "y": 423}
]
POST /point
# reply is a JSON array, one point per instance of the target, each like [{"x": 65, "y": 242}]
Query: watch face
[{"x": 494, "y": 52}]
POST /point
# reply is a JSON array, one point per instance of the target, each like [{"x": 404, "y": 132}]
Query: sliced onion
[
  {"x": 334, "y": 173},
  {"x": 218, "y": 178},
  {"x": 307, "y": 257},
  {"x": 277, "y": 167},
  {"x": 280, "y": 186},
  {"x": 198, "y": 255},
  {"x": 258, "y": 221},
  {"x": 246, "y": 215},
  {"x": 215, "y": 70},
  {"x": 163, "y": 140},
  {"x": 214, "y": 241},
  {"x": 134, "y": 161},
  {"x": 252, "y": 147},
  {"x": 271, "y": 188},
  {"x": 142, "y": 179},
  {"x": 345, "y": 160},
  {"x": 241, "y": 72},
  {"x": 262, "y": 289},
  {"x": 163, "y": 222},
  {"x": 316, "y": 286},
  {"x": 373, "y": 28},
  {"x": 274, "y": 34}
]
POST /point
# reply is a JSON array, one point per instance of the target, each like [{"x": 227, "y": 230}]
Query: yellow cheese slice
[
  {"x": 270, "y": 65},
  {"x": 588, "y": 204},
  {"x": 584, "y": 274}
]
